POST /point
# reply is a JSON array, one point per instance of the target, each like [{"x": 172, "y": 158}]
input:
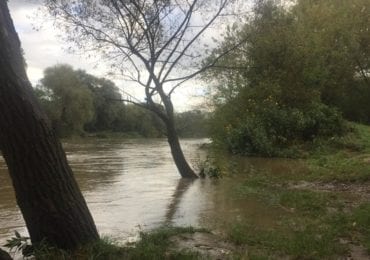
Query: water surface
[{"x": 133, "y": 185}]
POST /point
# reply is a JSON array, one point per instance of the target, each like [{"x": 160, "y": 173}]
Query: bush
[{"x": 269, "y": 129}]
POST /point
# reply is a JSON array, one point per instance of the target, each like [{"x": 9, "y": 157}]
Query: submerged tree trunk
[
  {"x": 177, "y": 154},
  {"x": 46, "y": 191}
]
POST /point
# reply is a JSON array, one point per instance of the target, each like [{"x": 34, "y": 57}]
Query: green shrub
[{"x": 270, "y": 129}]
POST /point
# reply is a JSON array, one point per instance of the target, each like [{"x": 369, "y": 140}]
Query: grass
[
  {"x": 153, "y": 245},
  {"x": 306, "y": 243},
  {"x": 361, "y": 221},
  {"x": 307, "y": 230},
  {"x": 342, "y": 159},
  {"x": 297, "y": 236},
  {"x": 156, "y": 245},
  {"x": 316, "y": 221}
]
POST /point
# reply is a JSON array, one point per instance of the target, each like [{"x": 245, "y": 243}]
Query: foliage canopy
[{"x": 302, "y": 67}]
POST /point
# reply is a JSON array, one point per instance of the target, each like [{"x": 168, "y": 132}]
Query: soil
[
  {"x": 360, "y": 190},
  {"x": 206, "y": 244}
]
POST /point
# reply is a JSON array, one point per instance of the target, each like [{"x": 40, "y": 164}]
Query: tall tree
[
  {"x": 151, "y": 43},
  {"x": 271, "y": 97},
  {"x": 69, "y": 97},
  {"x": 104, "y": 92},
  {"x": 46, "y": 191}
]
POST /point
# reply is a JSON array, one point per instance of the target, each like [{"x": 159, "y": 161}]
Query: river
[{"x": 132, "y": 185}]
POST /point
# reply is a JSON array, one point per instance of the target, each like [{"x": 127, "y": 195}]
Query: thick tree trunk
[
  {"x": 178, "y": 156},
  {"x": 4, "y": 255},
  {"x": 46, "y": 191}
]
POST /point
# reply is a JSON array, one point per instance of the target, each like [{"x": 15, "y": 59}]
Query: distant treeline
[
  {"x": 299, "y": 69},
  {"x": 78, "y": 103}
]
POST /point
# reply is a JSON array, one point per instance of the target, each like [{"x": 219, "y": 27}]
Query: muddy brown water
[{"x": 133, "y": 185}]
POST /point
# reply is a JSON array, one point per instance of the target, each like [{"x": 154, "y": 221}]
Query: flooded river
[{"x": 133, "y": 185}]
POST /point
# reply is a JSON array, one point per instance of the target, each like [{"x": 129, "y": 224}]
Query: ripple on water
[{"x": 133, "y": 185}]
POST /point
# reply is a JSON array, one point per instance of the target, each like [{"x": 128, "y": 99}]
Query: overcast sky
[{"x": 43, "y": 48}]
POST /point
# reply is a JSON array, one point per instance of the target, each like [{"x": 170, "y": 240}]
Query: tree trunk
[
  {"x": 46, "y": 191},
  {"x": 178, "y": 156},
  {"x": 4, "y": 255}
]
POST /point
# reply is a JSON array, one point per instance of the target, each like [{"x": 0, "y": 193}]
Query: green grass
[
  {"x": 297, "y": 237},
  {"x": 361, "y": 222},
  {"x": 156, "y": 245},
  {"x": 308, "y": 202},
  {"x": 152, "y": 245},
  {"x": 307, "y": 230},
  {"x": 316, "y": 221},
  {"x": 342, "y": 159}
]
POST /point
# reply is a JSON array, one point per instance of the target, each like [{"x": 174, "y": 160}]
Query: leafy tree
[
  {"x": 105, "y": 96},
  {"x": 271, "y": 95},
  {"x": 70, "y": 99},
  {"x": 193, "y": 123},
  {"x": 143, "y": 122},
  {"x": 155, "y": 40},
  {"x": 335, "y": 34},
  {"x": 62, "y": 92},
  {"x": 47, "y": 194}
]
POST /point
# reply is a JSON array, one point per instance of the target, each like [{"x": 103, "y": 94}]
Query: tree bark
[
  {"x": 177, "y": 154},
  {"x": 4, "y": 255},
  {"x": 46, "y": 191}
]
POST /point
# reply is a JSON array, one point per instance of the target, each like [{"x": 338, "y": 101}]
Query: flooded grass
[
  {"x": 319, "y": 223},
  {"x": 310, "y": 228}
]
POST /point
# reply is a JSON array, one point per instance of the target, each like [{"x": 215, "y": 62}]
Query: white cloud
[{"x": 42, "y": 47}]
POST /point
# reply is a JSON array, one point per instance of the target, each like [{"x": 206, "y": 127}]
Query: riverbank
[
  {"x": 326, "y": 203},
  {"x": 123, "y": 135},
  {"x": 312, "y": 208},
  {"x": 320, "y": 209}
]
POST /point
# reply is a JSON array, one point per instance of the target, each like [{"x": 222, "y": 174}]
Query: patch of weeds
[
  {"x": 156, "y": 244},
  {"x": 44, "y": 251},
  {"x": 343, "y": 159},
  {"x": 238, "y": 234},
  {"x": 209, "y": 168},
  {"x": 255, "y": 185},
  {"x": 361, "y": 220},
  {"x": 152, "y": 245},
  {"x": 307, "y": 202},
  {"x": 105, "y": 248},
  {"x": 362, "y": 137},
  {"x": 309, "y": 231},
  {"x": 339, "y": 224},
  {"x": 19, "y": 243},
  {"x": 340, "y": 166},
  {"x": 311, "y": 242},
  {"x": 252, "y": 253},
  {"x": 102, "y": 249}
]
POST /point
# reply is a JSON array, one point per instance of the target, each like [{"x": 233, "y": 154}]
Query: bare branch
[
  {"x": 222, "y": 6},
  {"x": 208, "y": 66}
]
